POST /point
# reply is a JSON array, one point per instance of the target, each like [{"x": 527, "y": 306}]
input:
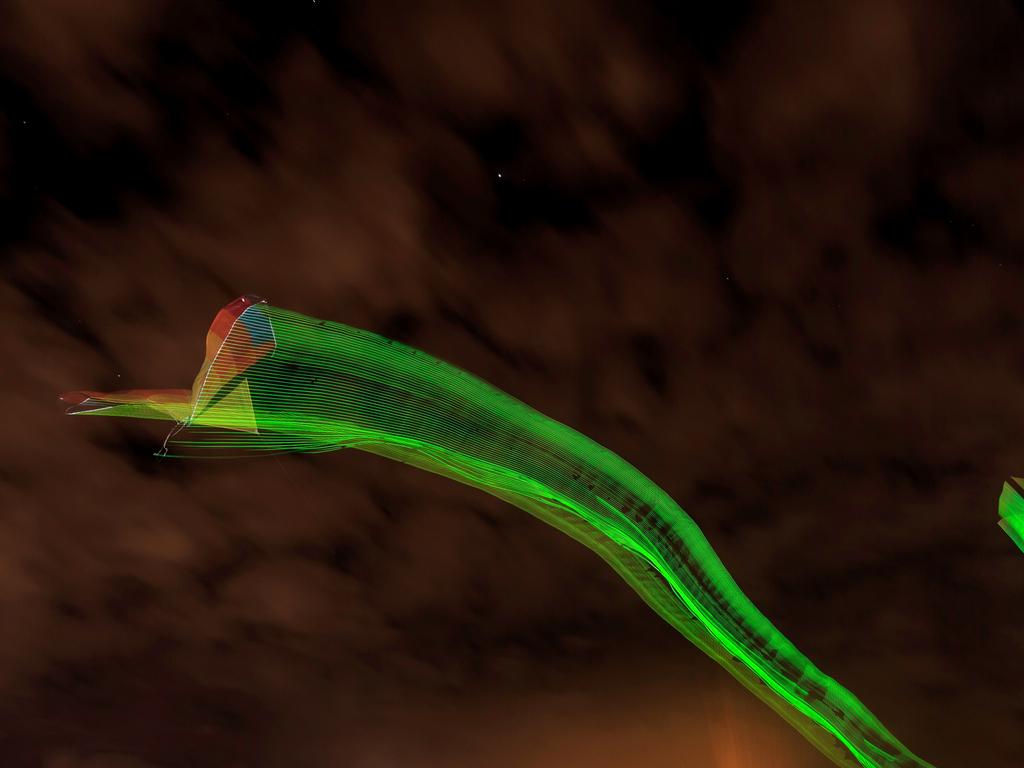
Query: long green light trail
[{"x": 278, "y": 381}]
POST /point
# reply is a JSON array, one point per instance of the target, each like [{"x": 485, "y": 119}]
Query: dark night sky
[{"x": 771, "y": 254}]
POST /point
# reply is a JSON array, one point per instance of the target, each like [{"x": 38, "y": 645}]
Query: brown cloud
[{"x": 769, "y": 259}]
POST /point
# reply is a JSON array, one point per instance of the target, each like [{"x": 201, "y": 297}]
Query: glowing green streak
[
  {"x": 1011, "y": 509},
  {"x": 327, "y": 386}
]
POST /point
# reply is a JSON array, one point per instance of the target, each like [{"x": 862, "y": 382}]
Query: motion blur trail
[
  {"x": 1011, "y": 511},
  {"x": 277, "y": 381}
]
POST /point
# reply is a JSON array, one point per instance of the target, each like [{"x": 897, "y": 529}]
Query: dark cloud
[{"x": 766, "y": 252}]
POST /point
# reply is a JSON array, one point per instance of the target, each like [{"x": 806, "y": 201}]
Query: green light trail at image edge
[{"x": 1011, "y": 511}]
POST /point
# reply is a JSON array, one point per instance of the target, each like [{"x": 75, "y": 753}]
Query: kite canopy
[{"x": 239, "y": 337}]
